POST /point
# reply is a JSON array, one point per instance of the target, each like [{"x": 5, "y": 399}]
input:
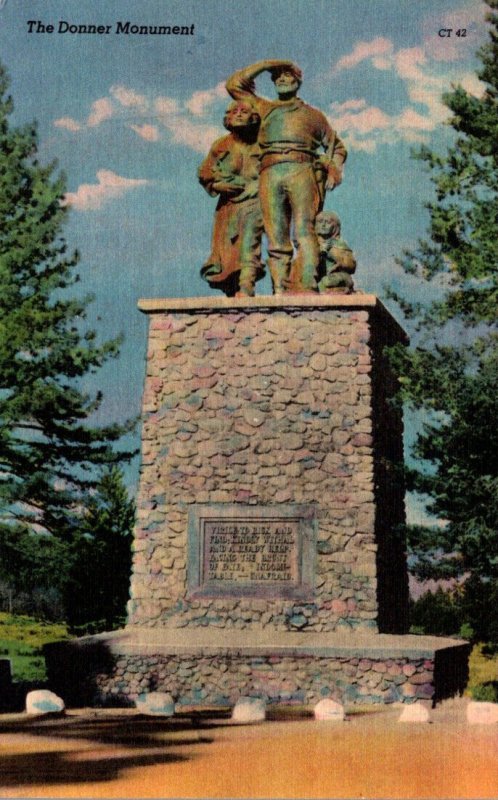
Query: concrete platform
[{"x": 138, "y": 640}]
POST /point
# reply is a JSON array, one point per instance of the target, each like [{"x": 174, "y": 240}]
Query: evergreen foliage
[
  {"x": 82, "y": 579},
  {"x": 33, "y": 572},
  {"x": 98, "y": 583},
  {"x": 452, "y": 375},
  {"x": 65, "y": 524},
  {"x": 437, "y": 613},
  {"x": 48, "y": 449}
]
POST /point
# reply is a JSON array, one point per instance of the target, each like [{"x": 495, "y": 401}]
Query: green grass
[
  {"x": 483, "y": 677},
  {"x": 482, "y": 668},
  {"x": 21, "y": 640}
]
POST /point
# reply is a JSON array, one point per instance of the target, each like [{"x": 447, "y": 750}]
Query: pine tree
[
  {"x": 437, "y": 613},
  {"x": 48, "y": 448},
  {"x": 452, "y": 375},
  {"x": 33, "y": 572},
  {"x": 98, "y": 583}
]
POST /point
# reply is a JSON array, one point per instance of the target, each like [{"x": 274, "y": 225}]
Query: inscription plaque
[{"x": 251, "y": 551}]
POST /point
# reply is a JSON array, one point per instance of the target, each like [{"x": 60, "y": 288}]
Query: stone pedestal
[
  {"x": 271, "y": 418},
  {"x": 268, "y": 558}
]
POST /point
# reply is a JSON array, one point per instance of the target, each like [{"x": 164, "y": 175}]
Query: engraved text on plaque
[{"x": 248, "y": 551}]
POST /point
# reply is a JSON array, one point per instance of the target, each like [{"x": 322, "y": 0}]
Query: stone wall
[
  {"x": 267, "y": 554},
  {"x": 281, "y": 404},
  {"x": 217, "y": 667},
  {"x": 222, "y": 680}
]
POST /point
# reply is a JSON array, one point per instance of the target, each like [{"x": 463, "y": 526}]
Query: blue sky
[{"x": 129, "y": 118}]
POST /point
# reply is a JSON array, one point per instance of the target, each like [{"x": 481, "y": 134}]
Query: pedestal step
[{"x": 217, "y": 667}]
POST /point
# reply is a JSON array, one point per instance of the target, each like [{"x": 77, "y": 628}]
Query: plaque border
[{"x": 305, "y": 515}]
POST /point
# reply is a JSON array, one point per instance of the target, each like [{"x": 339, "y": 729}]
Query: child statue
[{"x": 337, "y": 261}]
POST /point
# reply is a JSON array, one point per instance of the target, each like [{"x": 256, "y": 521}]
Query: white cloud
[
  {"x": 68, "y": 123},
  {"x": 183, "y": 125},
  {"x": 148, "y": 132},
  {"x": 362, "y": 51},
  {"x": 425, "y": 95},
  {"x": 104, "y": 109},
  {"x": 365, "y": 126},
  {"x": 411, "y": 119},
  {"x": 363, "y": 145},
  {"x": 128, "y": 97},
  {"x": 101, "y": 110},
  {"x": 201, "y": 102},
  {"x": 187, "y": 122},
  {"x": 349, "y": 105},
  {"x": 365, "y": 120},
  {"x": 166, "y": 105},
  {"x": 407, "y": 63},
  {"x": 472, "y": 84},
  {"x": 198, "y": 137},
  {"x": 381, "y": 62},
  {"x": 414, "y": 136},
  {"x": 92, "y": 196}
]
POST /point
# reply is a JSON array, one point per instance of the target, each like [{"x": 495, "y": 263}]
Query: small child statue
[{"x": 337, "y": 261}]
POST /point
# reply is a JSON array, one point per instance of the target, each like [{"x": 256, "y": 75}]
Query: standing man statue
[{"x": 294, "y": 173}]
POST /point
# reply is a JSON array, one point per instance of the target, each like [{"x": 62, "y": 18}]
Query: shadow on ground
[{"x": 96, "y": 749}]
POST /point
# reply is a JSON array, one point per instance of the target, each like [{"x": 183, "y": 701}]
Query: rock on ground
[
  {"x": 249, "y": 709},
  {"x": 482, "y": 713},
  {"x": 159, "y": 704},
  {"x": 41, "y": 701},
  {"x": 328, "y": 709}
]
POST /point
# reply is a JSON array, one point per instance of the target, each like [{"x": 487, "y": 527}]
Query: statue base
[
  {"x": 215, "y": 667},
  {"x": 270, "y": 491},
  {"x": 268, "y": 559}
]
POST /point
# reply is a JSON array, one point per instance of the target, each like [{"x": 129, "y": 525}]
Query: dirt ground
[{"x": 111, "y": 753}]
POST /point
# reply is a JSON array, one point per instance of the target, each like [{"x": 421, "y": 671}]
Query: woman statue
[{"x": 231, "y": 171}]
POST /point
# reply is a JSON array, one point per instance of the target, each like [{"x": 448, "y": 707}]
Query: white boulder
[
  {"x": 41, "y": 701},
  {"x": 329, "y": 710},
  {"x": 482, "y": 713},
  {"x": 415, "y": 712},
  {"x": 249, "y": 709},
  {"x": 158, "y": 704}
]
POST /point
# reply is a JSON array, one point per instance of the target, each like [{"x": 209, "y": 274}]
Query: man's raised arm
[{"x": 241, "y": 86}]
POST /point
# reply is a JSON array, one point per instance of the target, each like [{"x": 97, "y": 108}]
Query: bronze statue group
[{"x": 270, "y": 174}]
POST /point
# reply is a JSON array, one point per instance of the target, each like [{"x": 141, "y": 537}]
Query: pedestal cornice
[{"x": 358, "y": 301}]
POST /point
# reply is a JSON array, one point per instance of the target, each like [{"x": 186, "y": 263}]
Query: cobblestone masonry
[
  {"x": 268, "y": 406},
  {"x": 221, "y": 680},
  {"x": 204, "y": 667}
]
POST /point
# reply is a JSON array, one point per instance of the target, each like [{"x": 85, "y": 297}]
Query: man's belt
[{"x": 294, "y": 156}]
